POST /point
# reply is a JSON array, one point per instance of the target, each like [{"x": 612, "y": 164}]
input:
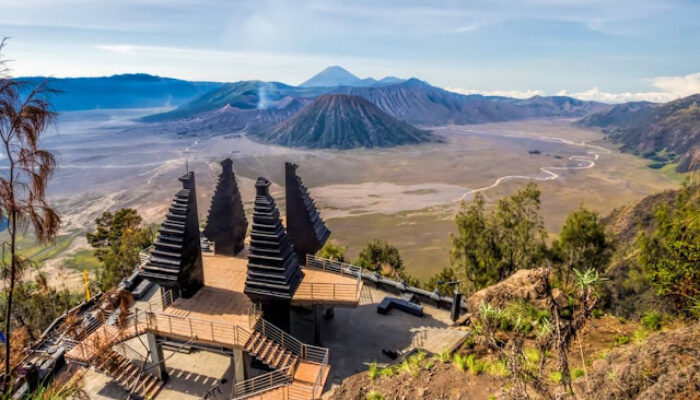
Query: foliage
[
  {"x": 554, "y": 334},
  {"x": 25, "y": 113},
  {"x": 671, "y": 254},
  {"x": 498, "y": 368},
  {"x": 379, "y": 256},
  {"x": 446, "y": 275},
  {"x": 36, "y": 305},
  {"x": 460, "y": 362},
  {"x": 475, "y": 365},
  {"x": 621, "y": 340},
  {"x": 65, "y": 387},
  {"x": 489, "y": 247},
  {"x": 555, "y": 376},
  {"x": 652, "y": 320},
  {"x": 577, "y": 373},
  {"x": 118, "y": 238},
  {"x": 374, "y": 395},
  {"x": 373, "y": 371},
  {"x": 333, "y": 252},
  {"x": 582, "y": 244}
]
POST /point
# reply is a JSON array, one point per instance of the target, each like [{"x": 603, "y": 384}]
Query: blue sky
[{"x": 610, "y": 50}]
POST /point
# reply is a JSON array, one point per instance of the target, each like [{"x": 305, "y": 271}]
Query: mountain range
[
  {"x": 121, "y": 91},
  {"x": 343, "y": 122},
  {"x": 664, "y": 133}
]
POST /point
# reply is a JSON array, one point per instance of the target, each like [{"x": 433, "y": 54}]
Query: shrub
[
  {"x": 640, "y": 335},
  {"x": 652, "y": 320},
  {"x": 532, "y": 355},
  {"x": 388, "y": 371},
  {"x": 460, "y": 362},
  {"x": 621, "y": 340},
  {"x": 498, "y": 368},
  {"x": 577, "y": 373},
  {"x": 555, "y": 376},
  {"x": 445, "y": 356},
  {"x": 475, "y": 365},
  {"x": 373, "y": 371},
  {"x": 374, "y": 395}
]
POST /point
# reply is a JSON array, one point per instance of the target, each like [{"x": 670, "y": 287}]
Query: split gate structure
[{"x": 242, "y": 306}]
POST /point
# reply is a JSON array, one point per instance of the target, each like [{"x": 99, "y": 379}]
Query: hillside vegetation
[{"x": 664, "y": 133}]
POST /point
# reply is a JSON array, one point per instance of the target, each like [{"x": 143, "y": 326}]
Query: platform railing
[
  {"x": 262, "y": 383},
  {"x": 199, "y": 329},
  {"x": 337, "y": 267}
]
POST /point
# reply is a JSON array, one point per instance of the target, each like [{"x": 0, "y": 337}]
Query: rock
[{"x": 523, "y": 284}]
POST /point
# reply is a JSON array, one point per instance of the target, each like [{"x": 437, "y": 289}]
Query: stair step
[{"x": 271, "y": 353}]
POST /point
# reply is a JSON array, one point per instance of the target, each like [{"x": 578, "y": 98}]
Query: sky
[{"x": 606, "y": 50}]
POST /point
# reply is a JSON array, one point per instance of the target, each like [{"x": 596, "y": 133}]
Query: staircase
[
  {"x": 270, "y": 353},
  {"x": 126, "y": 374}
]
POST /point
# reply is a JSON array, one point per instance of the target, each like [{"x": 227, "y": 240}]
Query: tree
[
  {"x": 36, "y": 305},
  {"x": 582, "y": 244},
  {"x": 437, "y": 282},
  {"x": 519, "y": 231},
  {"x": 490, "y": 247},
  {"x": 474, "y": 252},
  {"x": 23, "y": 120},
  {"x": 118, "y": 238},
  {"x": 332, "y": 252},
  {"x": 380, "y": 256},
  {"x": 670, "y": 256}
]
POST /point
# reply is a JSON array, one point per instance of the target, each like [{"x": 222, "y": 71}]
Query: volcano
[{"x": 343, "y": 122}]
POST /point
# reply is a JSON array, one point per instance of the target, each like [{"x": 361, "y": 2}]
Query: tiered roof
[
  {"x": 304, "y": 224},
  {"x": 226, "y": 224},
  {"x": 176, "y": 260},
  {"x": 273, "y": 268}
]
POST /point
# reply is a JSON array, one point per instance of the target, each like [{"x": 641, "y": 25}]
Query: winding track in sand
[{"x": 583, "y": 162}]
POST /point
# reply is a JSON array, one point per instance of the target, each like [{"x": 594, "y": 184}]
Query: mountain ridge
[{"x": 667, "y": 132}]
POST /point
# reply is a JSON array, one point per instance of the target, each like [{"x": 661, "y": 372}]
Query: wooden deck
[
  {"x": 221, "y": 299},
  {"x": 323, "y": 287}
]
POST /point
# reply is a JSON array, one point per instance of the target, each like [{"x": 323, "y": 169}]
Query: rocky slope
[
  {"x": 342, "y": 122},
  {"x": 669, "y": 131},
  {"x": 665, "y": 366}
]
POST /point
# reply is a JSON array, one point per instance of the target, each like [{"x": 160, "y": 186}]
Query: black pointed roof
[
  {"x": 304, "y": 224},
  {"x": 273, "y": 267},
  {"x": 176, "y": 260},
  {"x": 226, "y": 223}
]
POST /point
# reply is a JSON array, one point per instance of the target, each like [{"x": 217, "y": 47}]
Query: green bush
[
  {"x": 373, "y": 371},
  {"x": 652, "y": 320},
  {"x": 460, "y": 362},
  {"x": 577, "y": 373},
  {"x": 498, "y": 368},
  {"x": 475, "y": 365},
  {"x": 374, "y": 395},
  {"x": 621, "y": 340},
  {"x": 386, "y": 372},
  {"x": 555, "y": 376}
]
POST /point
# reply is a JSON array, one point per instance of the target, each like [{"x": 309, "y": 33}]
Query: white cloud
[
  {"x": 595, "y": 94},
  {"x": 669, "y": 88},
  {"x": 518, "y": 94},
  {"x": 679, "y": 85}
]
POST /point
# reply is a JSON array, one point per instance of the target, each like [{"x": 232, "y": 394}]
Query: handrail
[
  {"x": 264, "y": 382},
  {"x": 338, "y": 267}
]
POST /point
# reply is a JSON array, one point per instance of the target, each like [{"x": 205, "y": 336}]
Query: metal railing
[
  {"x": 264, "y": 382},
  {"x": 199, "y": 329},
  {"x": 337, "y": 267}
]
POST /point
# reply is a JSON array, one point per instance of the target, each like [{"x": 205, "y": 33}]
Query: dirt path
[{"x": 583, "y": 162}]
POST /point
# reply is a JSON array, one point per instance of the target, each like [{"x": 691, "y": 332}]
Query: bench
[{"x": 400, "y": 304}]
